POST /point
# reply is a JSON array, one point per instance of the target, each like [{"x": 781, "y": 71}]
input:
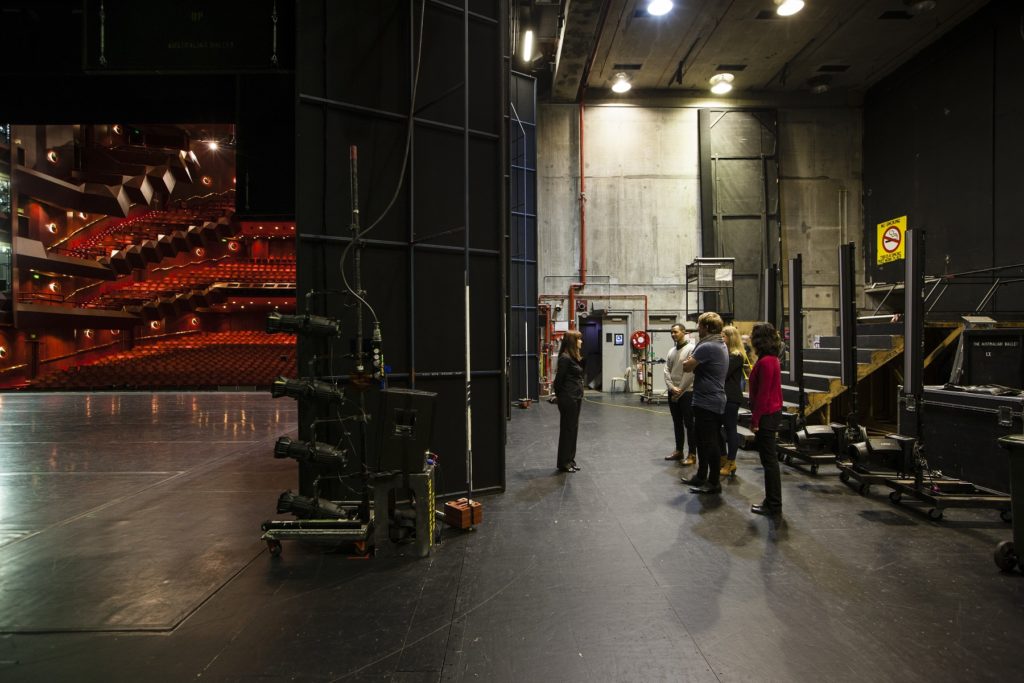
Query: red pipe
[{"x": 576, "y": 286}]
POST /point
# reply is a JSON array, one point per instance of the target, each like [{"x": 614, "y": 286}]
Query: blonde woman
[{"x": 733, "y": 397}]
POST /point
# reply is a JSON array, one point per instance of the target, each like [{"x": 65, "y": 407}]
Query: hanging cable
[{"x": 401, "y": 176}]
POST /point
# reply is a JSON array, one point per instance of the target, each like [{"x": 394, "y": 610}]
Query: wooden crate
[{"x": 463, "y": 513}]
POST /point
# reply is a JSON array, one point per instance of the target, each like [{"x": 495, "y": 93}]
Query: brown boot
[{"x": 728, "y": 467}]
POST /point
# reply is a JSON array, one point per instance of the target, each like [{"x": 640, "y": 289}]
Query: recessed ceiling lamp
[
  {"x": 721, "y": 83},
  {"x": 621, "y": 83},
  {"x": 787, "y": 8},
  {"x": 657, "y": 8}
]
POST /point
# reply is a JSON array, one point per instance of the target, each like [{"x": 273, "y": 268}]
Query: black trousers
[
  {"x": 709, "y": 444},
  {"x": 568, "y": 428},
  {"x": 730, "y": 419},
  {"x": 765, "y": 438},
  {"x": 682, "y": 421}
]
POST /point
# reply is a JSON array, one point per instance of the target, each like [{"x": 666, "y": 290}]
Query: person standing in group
[
  {"x": 680, "y": 395},
  {"x": 734, "y": 377},
  {"x": 766, "y": 412},
  {"x": 709, "y": 363},
  {"x": 568, "y": 387}
]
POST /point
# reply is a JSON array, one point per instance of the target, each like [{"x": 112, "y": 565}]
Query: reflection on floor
[{"x": 129, "y": 525}]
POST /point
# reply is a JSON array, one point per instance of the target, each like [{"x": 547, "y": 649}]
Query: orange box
[{"x": 463, "y": 513}]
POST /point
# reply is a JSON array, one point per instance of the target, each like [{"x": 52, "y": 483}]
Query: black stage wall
[
  {"x": 943, "y": 144},
  {"x": 356, "y": 65},
  {"x": 210, "y": 61}
]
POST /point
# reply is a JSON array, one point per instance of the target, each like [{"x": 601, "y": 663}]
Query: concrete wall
[
  {"x": 642, "y": 186},
  {"x": 820, "y": 166}
]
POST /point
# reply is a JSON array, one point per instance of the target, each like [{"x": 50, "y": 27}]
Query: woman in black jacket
[{"x": 568, "y": 386}]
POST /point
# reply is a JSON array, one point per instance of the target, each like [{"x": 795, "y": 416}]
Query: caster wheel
[
  {"x": 814, "y": 469},
  {"x": 935, "y": 514},
  {"x": 274, "y": 547},
  {"x": 1005, "y": 557},
  {"x": 789, "y": 459},
  {"x": 864, "y": 489},
  {"x": 1006, "y": 516},
  {"x": 844, "y": 476},
  {"x": 896, "y": 496}
]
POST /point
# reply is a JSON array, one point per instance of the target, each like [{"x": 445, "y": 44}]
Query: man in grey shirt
[
  {"x": 709, "y": 363},
  {"x": 680, "y": 394}
]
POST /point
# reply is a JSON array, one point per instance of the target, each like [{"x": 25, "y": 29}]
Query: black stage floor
[{"x": 130, "y": 533}]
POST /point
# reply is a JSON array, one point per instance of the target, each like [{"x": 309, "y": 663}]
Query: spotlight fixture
[
  {"x": 212, "y": 145},
  {"x": 721, "y": 83},
  {"x": 317, "y": 325},
  {"x": 207, "y": 180},
  {"x": 787, "y": 8},
  {"x": 621, "y": 83},
  {"x": 528, "y": 46},
  {"x": 306, "y": 388},
  {"x": 232, "y": 246},
  {"x": 3, "y": 352},
  {"x": 310, "y": 508},
  {"x": 155, "y": 325},
  {"x": 88, "y": 334},
  {"x": 194, "y": 322},
  {"x": 657, "y": 8},
  {"x": 200, "y": 252},
  {"x": 54, "y": 286},
  {"x": 52, "y": 228},
  {"x": 116, "y": 128},
  {"x": 310, "y": 452},
  {"x": 52, "y": 156}
]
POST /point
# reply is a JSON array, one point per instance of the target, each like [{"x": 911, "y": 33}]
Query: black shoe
[
  {"x": 707, "y": 488},
  {"x": 569, "y": 468},
  {"x": 575, "y": 466},
  {"x": 767, "y": 511},
  {"x": 693, "y": 481}
]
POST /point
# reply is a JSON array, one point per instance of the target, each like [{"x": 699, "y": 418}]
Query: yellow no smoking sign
[{"x": 890, "y": 240}]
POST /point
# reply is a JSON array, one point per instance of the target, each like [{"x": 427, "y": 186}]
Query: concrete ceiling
[{"x": 851, "y": 44}]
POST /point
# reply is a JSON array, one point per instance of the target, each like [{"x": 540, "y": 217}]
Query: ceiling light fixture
[
  {"x": 212, "y": 145},
  {"x": 787, "y": 8},
  {"x": 528, "y": 45},
  {"x": 820, "y": 84},
  {"x": 918, "y": 6},
  {"x": 657, "y": 8},
  {"x": 721, "y": 83},
  {"x": 621, "y": 83}
]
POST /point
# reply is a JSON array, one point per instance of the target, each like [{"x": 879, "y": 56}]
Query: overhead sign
[{"x": 891, "y": 242}]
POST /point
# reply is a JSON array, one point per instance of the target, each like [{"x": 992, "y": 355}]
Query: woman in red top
[{"x": 765, "y": 383}]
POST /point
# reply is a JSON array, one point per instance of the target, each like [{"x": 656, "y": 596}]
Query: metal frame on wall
[
  {"x": 740, "y": 218},
  {"x": 419, "y": 88},
  {"x": 522, "y": 291}
]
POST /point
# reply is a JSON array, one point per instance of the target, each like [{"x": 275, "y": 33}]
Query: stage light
[
  {"x": 52, "y": 228},
  {"x": 310, "y": 452},
  {"x": 306, "y": 388},
  {"x": 302, "y": 506},
  {"x": 52, "y": 156},
  {"x": 212, "y": 145},
  {"x": 303, "y": 324}
]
